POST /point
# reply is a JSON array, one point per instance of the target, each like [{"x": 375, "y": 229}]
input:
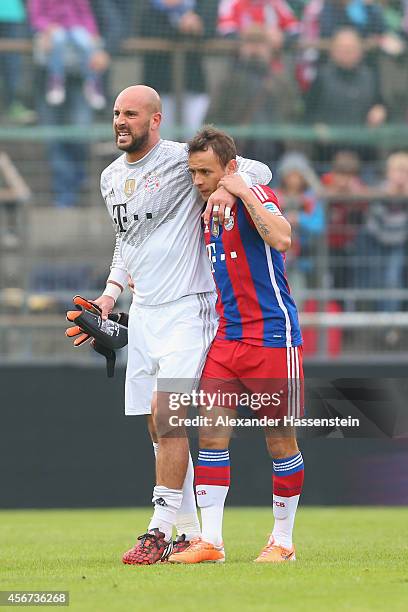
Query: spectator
[
  {"x": 259, "y": 91},
  {"x": 383, "y": 26},
  {"x": 178, "y": 20},
  {"x": 382, "y": 241},
  {"x": 364, "y": 16},
  {"x": 393, "y": 64},
  {"x": 345, "y": 91},
  {"x": 13, "y": 25},
  {"x": 68, "y": 154},
  {"x": 72, "y": 62},
  {"x": 115, "y": 20},
  {"x": 310, "y": 35},
  {"x": 235, "y": 16},
  {"x": 298, "y": 196},
  {"x": 343, "y": 216},
  {"x": 63, "y": 28},
  {"x": 311, "y": 20}
]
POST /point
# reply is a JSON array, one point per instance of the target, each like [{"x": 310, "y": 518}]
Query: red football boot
[{"x": 153, "y": 548}]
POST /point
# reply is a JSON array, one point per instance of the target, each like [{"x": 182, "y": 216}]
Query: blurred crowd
[
  {"x": 297, "y": 50},
  {"x": 314, "y": 63}
]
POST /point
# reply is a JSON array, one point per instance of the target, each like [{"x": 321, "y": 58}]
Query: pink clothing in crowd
[{"x": 67, "y": 14}]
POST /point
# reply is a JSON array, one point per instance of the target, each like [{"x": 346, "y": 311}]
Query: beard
[{"x": 137, "y": 143}]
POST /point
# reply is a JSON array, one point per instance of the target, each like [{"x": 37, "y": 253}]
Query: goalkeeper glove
[{"x": 106, "y": 336}]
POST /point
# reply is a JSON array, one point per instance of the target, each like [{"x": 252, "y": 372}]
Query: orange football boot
[
  {"x": 274, "y": 553},
  {"x": 199, "y": 552}
]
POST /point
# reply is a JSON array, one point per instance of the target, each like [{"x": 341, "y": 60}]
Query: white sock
[
  {"x": 284, "y": 511},
  {"x": 166, "y": 503},
  {"x": 288, "y": 475},
  {"x": 213, "y": 466},
  {"x": 186, "y": 518},
  {"x": 211, "y": 500}
]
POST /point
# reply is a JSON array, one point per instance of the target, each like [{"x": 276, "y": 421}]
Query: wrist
[
  {"x": 245, "y": 194},
  {"x": 112, "y": 290}
]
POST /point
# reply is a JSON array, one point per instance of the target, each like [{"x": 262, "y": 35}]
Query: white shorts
[{"x": 168, "y": 345}]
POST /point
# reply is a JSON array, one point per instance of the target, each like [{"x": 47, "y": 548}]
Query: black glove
[{"x": 106, "y": 336}]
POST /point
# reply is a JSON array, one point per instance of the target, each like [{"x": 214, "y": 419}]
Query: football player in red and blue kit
[{"x": 257, "y": 352}]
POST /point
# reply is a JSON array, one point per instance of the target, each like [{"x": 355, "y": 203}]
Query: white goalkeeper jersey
[{"x": 156, "y": 213}]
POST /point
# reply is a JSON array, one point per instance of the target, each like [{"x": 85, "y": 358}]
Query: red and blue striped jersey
[{"x": 254, "y": 301}]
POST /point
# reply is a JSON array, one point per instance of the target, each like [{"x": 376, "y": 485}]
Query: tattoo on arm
[{"x": 260, "y": 224}]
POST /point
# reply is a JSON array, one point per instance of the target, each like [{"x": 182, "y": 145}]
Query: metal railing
[
  {"x": 383, "y": 136},
  {"x": 32, "y": 317}
]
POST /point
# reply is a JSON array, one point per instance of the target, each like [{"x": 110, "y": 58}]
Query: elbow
[
  {"x": 283, "y": 244},
  {"x": 285, "y": 241}
]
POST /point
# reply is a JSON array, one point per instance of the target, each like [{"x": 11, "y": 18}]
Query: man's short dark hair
[{"x": 222, "y": 144}]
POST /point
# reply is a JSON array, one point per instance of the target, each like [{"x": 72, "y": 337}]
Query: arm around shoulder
[
  {"x": 253, "y": 172},
  {"x": 271, "y": 225}
]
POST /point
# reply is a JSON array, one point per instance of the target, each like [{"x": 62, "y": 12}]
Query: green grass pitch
[{"x": 348, "y": 559}]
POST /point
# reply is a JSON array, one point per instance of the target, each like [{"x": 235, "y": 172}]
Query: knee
[
  {"x": 213, "y": 443},
  {"x": 280, "y": 448},
  {"x": 167, "y": 423},
  {"x": 59, "y": 37},
  {"x": 81, "y": 39}
]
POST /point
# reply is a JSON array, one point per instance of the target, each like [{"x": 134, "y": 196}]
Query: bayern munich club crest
[
  {"x": 229, "y": 223},
  {"x": 152, "y": 183}
]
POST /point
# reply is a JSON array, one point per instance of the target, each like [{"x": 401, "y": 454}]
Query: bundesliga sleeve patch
[
  {"x": 272, "y": 208},
  {"x": 264, "y": 195}
]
